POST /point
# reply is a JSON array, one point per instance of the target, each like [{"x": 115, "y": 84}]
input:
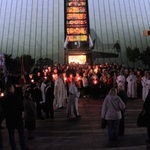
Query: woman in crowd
[{"x": 111, "y": 111}]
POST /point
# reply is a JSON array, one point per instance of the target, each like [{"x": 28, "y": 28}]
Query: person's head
[
  {"x": 126, "y": 71},
  {"x": 138, "y": 72},
  {"x": 64, "y": 74},
  {"x": 38, "y": 84},
  {"x": 71, "y": 75},
  {"x": 60, "y": 75},
  {"x": 146, "y": 73},
  {"x": 121, "y": 73},
  {"x": 131, "y": 72},
  {"x": 113, "y": 91}
]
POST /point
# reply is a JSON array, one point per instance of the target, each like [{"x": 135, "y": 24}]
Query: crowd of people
[{"x": 39, "y": 93}]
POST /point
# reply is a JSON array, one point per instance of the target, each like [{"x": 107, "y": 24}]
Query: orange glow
[{"x": 81, "y": 59}]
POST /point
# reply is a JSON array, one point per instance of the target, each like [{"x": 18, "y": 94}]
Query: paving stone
[{"x": 85, "y": 133}]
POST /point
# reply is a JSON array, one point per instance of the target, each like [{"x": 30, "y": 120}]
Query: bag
[
  {"x": 142, "y": 119},
  {"x": 103, "y": 123}
]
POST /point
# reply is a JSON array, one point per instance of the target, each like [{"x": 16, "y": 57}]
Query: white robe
[
  {"x": 121, "y": 81},
  {"x": 73, "y": 100},
  {"x": 146, "y": 86},
  {"x": 43, "y": 85},
  {"x": 59, "y": 92},
  {"x": 132, "y": 86}
]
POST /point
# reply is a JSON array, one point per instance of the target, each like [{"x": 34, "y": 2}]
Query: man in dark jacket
[
  {"x": 13, "y": 108},
  {"x": 37, "y": 95},
  {"x": 49, "y": 98},
  {"x": 122, "y": 94}
]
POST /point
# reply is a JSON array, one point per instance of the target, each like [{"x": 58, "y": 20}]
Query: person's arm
[
  {"x": 121, "y": 104},
  {"x": 103, "y": 111}
]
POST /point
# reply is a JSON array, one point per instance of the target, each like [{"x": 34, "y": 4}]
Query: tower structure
[{"x": 78, "y": 43}]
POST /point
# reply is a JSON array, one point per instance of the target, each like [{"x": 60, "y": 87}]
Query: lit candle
[
  {"x": 95, "y": 81},
  {"x": 45, "y": 77},
  {"x": 2, "y": 94},
  {"x": 32, "y": 81},
  {"x": 65, "y": 78}
]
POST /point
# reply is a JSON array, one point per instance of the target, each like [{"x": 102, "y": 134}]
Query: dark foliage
[
  {"x": 44, "y": 62},
  {"x": 145, "y": 57}
]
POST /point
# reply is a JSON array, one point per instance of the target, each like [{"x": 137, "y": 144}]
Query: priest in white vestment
[
  {"x": 121, "y": 80},
  {"x": 131, "y": 85},
  {"x": 145, "y": 84},
  {"x": 43, "y": 85}
]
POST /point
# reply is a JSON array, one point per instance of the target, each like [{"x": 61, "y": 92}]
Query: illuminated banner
[
  {"x": 76, "y": 24},
  {"x": 79, "y": 59}
]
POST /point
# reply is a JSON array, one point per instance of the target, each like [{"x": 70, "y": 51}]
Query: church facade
[{"x": 37, "y": 27}]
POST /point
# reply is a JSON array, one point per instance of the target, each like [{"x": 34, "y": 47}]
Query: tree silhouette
[
  {"x": 133, "y": 55},
  {"x": 145, "y": 57},
  {"x": 28, "y": 62},
  {"x": 44, "y": 62}
]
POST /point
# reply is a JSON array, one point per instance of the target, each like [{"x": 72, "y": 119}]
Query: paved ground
[{"x": 85, "y": 133}]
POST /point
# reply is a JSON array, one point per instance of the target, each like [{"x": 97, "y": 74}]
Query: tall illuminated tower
[{"x": 78, "y": 42}]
